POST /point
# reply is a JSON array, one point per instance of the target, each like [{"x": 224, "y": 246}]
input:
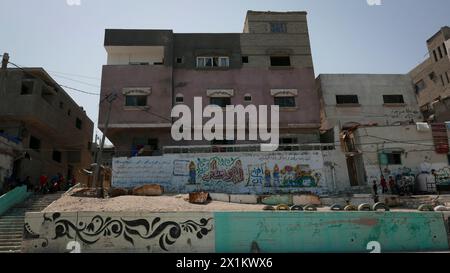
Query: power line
[
  {"x": 76, "y": 75},
  {"x": 68, "y": 87},
  {"x": 67, "y": 78}
]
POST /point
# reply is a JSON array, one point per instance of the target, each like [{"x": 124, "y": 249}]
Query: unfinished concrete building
[{"x": 52, "y": 128}]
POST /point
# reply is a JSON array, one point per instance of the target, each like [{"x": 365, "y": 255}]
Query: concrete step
[
  {"x": 11, "y": 225},
  {"x": 10, "y": 248},
  {"x": 10, "y": 241},
  {"x": 11, "y": 236}
]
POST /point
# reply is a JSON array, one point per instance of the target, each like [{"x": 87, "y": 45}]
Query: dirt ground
[
  {"x": 165, "y": 203},
  {"x": 143, "y": 203}
]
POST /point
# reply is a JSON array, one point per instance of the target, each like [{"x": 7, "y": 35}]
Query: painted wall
[
  {"x": 256, "y": 172},
  {"x": 119, "y": 232},
  {"x": 241, "y": 232},
  {"x": 418, "y": 154},
  {"x": 12, "y": 198}
]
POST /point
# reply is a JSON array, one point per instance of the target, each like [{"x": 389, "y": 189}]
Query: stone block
[{"x": 148, "y": 190}]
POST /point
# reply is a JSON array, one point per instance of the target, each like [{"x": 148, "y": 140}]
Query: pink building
[{"x": 150, "y": 71}]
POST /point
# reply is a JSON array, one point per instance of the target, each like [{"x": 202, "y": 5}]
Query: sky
[{"x": 347, "y": 36}]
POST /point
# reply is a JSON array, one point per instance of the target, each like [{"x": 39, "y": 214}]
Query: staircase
[{"x": 11, "y": 223}]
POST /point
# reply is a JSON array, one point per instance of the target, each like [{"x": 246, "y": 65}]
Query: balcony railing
[{"x": 244, "y": 148}]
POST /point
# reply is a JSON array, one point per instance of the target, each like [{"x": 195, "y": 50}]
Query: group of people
[
  {"x": 394, "y": 186},
  {"x": 46, "y": 184}
]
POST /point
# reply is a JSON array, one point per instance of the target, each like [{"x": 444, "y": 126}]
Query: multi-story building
[
  {"x": 352, "y": 101},
  {"x": 432, "y": 78},
  {"x": 150, "y": 71},
  {"x": 53, "y": 129}
]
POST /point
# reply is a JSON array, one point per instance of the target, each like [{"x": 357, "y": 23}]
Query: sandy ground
[
  {"x": 143, "y": 203},
  {"x": 166, "y": 203}
]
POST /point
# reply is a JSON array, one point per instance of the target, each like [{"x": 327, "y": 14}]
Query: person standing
[
  {"x": 383, "y": 183},
  {"x": 392, "y": 185}
]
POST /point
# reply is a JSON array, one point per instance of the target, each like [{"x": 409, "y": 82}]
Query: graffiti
[
  {"x": 406, "y": 113},
  {"x": 442, "y": 176},
  {"x": 220, "y": 169},
  {"x": 256, "y": 175},
  {"x": 225, "y": 173},
  {"x": 99, "y": 227},
  {"x": 179, "y": 167},
  {"x": 288, "y": 176}
]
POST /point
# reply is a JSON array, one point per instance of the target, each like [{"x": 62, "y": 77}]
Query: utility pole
[
  {"x": 109, "y": 98},
  {"x": 5, "y": 61}
]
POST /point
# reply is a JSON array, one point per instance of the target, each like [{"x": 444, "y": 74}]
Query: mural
[
  {"x": 118, "y": 232},
  {"x": 220, "y": 169},
  {"x": 287, "y": 176},
  {"x": 442, "y": 176},
  {"x": 228, "y": 172}
]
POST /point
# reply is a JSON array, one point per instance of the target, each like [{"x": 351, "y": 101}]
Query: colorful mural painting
[
  {"x": 442, "y": 176},
  {"x": 221, "y": 169},
  {"x": 229, "y": 173}
]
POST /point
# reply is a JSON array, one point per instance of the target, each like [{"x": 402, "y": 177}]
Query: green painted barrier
[
  {"x": 12, "y": 198},
  {"x": 287, "y": 232}
]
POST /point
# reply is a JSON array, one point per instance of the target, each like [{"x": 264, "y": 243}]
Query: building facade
[
  {"x": 432, "y": 78},
  {"x": 352, "y": 101},
  {"x": 150, "y": 71},
  {"x": 53, "y": 129}
]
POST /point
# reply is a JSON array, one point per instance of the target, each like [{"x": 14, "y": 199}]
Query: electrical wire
[
  {"x": 67, "y": 78},
  {"x": 68, "y": 87}
]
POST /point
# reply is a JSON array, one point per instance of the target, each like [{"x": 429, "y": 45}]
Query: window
[
  {"x": 448, "y": 78},
  {"x": 61, "y": 105},
  {"x": 179, "y": 98},
  {"x": 135, "y": 100},
  {"x": 220, "y": 101},
  {"x": 394, "y": 158},
  {"x": 35, "y": 143},
  {"x": 440, "y": 52},
  {"x": 56, "y": 156},
  {"x": 248, "y": 97},
  {"x": 139, "y": 63},
  {"x": 435, "y": 56},
  {"x": 445, "y": 49},
  {"x": 284, "y": 101},
  {"x": 146, "y": 143},
  {"x": 208, "y": 62},
  {"x": 347, "y": 99},
  {"x": 280, "y": 61},
  {"x": 432, "y": 76},
  {"x": 244, "y": 59},
  {"x": 393, "y": 99},
  {"x": 442, "y": 80},
  {"x": 179, "y": 60},
  {"x": 78, "y": 123},
  {"x": 27, "y": 87},
  {"x": 69, "y": 112},
  {"x": 419, "y": 86},
  {"x": 278, "y": 27},
  {"x": 288, "y": 140},
  {"x": 153, "y": 143}
]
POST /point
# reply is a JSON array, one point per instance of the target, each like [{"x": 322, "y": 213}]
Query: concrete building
[
  {"x": 402, "y": 151},
  {"x": 10, "y": 151},
  {"x": 153, "y": 70},
  {"x": 349, "y": 101},
  {"x": 54, "y": 130},
  {"x": 432, "y": 78}
]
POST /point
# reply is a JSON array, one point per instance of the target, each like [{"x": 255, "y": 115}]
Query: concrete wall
[
  {"x": 52, "y": 120},
  {"x": 256, "y": 77},
  {"x": 371, "y": 108},
  {"x": 435, "y": 88},
  {"x": 418, "y": 154},
  {"x": 257, "y": 172},
  {"x": 241, "y": 232},
  {"x": 8, "y": 151}
]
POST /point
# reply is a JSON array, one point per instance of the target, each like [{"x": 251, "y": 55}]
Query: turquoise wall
[
  {"x": 329, "y": 231},
  {"x": 12, "y": 198}
]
